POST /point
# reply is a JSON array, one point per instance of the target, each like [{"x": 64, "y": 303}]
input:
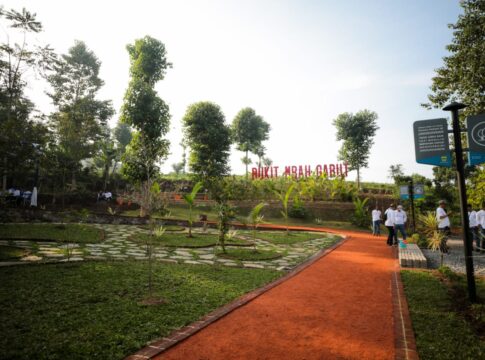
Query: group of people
[
  {"x": 18, "y": 197},
  {"x": 394, "y": 220},
  {"x": 477, "y": 227}
]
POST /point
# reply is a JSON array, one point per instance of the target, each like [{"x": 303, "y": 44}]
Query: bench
[{"x": 412, "y": 256}]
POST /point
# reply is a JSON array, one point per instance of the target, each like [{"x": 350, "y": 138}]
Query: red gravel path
[{"x": 338, "y": 308}]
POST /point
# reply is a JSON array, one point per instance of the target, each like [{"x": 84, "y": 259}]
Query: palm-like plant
[
  {"x": 284, "y": 198},
  {"x": 190, "y": 200},
  {"x": 255, "y": 219},
  {"x": 428, "y": 223},
  {"x": 435, "y": 242}
]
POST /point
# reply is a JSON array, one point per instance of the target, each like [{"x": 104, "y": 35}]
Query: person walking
[
  {"x": 481, "y": 225},
  {"x": 442, "y": 216},
  {"x": 472, "y": 220},
  {"x": 400, "y": 219},
  {"x": 376, "y": 221},
  {"x": 389, "y": 223}
]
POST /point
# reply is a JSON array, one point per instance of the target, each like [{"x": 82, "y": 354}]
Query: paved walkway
[
  {"x": 118, "y": 246},
  {"x": 338, "y": 308}
]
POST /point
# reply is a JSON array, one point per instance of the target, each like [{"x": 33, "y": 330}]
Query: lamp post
[{"x": 460, "y": 170}]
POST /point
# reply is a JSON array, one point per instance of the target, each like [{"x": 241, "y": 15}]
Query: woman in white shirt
[{"x": 443, "y": 224}]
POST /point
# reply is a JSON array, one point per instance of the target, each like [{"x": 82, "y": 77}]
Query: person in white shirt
[
  {"x": 376, "y": 221},
  {"x": 400, "y": 219},
  {"x": 443, "y": 224},
  {"x": 481, "y": 224},
  {"x": 389, "y": 223},
  {"x": 472, "y": 220}
]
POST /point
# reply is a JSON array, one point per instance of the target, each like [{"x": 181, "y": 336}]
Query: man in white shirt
[
  {"x": 376, "y": 222},
  {"x": 443, "y": 224},
  {"x": 389, "y": 223},
  {"x": 481, "y": 224},
  {"x": 472, "y": 220},
  {"x": 400, "y": 219}
]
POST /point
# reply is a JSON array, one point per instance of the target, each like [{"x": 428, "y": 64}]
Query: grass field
[
  {"x": 182, "y": 240},
  {"x": 93, "y": 310},
  {"x": 78, "y": 233},
  {"x": 442, "y": 330}
]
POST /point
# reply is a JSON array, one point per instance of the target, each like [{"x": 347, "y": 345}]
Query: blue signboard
[
  {"x": 432, "y": 143},
  {"x": 476, "y": 139}
]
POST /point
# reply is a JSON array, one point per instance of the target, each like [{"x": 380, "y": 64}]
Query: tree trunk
[
  {"x": 4, "y": 180},
  {"x": 247, "y": 174},
  {"x": 106, "y": 176},
  {"x": 358, "y": 178}
]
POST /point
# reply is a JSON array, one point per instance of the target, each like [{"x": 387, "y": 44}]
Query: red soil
[{"x": 338, "y": 308}]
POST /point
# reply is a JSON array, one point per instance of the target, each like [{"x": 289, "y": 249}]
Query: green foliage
[
  {"x": 297, "y": 209},
  {"x": 11, "y": 253},
  {"x": 249, "y": 254},
  {"x": 450, "y": 336},
  {"x": 225, "y": 213},
  {"x": 92, "y": 310},
  {"x": 255, "y": 219},
  {"x": 476, "y": 188},
  {"x": 75, "y": 233},
  {"x": 190, "y": 200},
  {"x": 144, "y": 110},
  {"x": 209, "y": 139},
  {"x": 181, "y": 240},
  {"x": 361, "y": 213},
  {"x": 19, "y": 129},
  {"x": 80, "y": 120},
  {"x": 463, "y": 73},
  {"x": 284, "y": 198},
  {"x": 249, "y": 130},
  {"x": 357, "y": 132},
  {"x": 428, "y": 223}
]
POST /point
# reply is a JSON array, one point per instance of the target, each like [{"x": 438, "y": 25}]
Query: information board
[
  {"x": 476, "y": 139},
  {"x": 431, "y": 142}
]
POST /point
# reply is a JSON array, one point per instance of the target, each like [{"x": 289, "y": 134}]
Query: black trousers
[{"x": 390, "y": 237}]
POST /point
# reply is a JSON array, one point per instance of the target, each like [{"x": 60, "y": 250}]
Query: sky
[{"x": 299, "y": 64}]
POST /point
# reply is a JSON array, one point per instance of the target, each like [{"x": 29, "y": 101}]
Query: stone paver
[{"x": 117, "y": 245}]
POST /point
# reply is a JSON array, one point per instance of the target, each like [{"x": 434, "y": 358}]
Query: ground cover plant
[
  {"x": 76, "y": 233},
  {"x": 443, "y": 330},
  {"x": 11, "y": 252},
  {"x": 249, "y": 254},
  {"x": 182, "y": 240},
  {"x": 93, "y": 310},
  {"x": 293, "y": 237}
]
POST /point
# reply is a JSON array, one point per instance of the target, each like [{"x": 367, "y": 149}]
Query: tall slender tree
[
  {"x": 80, "y": 121},
  {"x": 19, "y": 58},
  {"x": 249, "y": 131},
  {"x": 145, "y": 111},
  {"x": 357, "y": 132}
]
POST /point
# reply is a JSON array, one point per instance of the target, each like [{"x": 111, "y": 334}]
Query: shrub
[{"x": 361, "y": 216}]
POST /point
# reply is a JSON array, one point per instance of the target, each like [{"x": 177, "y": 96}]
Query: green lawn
[
  {"x": 92, "y": 310},
  {"x": 280, "y": 237},
  {"x": 249, "y": 254},
  {"x": 441, "y": 331},
  {"x": 11, "y": 252},
  {"x": 78, "y": 233},
  {"x": 182, "y": 240}
]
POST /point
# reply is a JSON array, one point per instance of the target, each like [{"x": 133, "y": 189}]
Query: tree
[
  {"x": 144, "y": 110},
  {"x": 357, "y": 132},
  {"x": 396, "y": 171},
  {"x": 284, "y": 198},
  {"x": 80, "y": 122},
  {"x": 17, "y": 61},
  {"x": 249, "y": 131},
  {"x": 190, "y": 200},
  {"x": 209, "y": 139},
  {"x": 462, "y": 77}
]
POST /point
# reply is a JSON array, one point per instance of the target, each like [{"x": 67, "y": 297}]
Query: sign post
[{"x": 460, "y": 170}]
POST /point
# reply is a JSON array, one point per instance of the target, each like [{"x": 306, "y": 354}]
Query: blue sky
[{"x": 297, "y": 63}]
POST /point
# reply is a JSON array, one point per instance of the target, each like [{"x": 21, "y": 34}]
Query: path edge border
[
  {"x": 159, "y": 346},
  {"x": 404, "y": 340}
]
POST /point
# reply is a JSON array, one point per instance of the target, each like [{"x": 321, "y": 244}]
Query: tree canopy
[
  {"x": 209, "y": 139},
  {"x": 144, "y": 110},
  {"x": 462, "y": 76},
  {"x": 357, "y": 132}
]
